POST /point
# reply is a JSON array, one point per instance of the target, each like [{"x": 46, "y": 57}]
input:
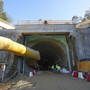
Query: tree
[
  {"x": 76, "y": 19},
  {"x": 2, "y": 13},
  {"x": 1, "y": 6},
  {"x": 87, "y": 14},
  {"x": 10, "y": 19}
]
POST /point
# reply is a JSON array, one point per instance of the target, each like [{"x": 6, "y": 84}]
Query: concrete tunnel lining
[{"x": 51, "y": 51}]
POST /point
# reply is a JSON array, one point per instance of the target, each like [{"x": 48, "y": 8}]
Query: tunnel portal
[{"x": 52, "y": 51}]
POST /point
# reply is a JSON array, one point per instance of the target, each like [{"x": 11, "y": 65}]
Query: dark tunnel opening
[{"x": 51, "y": 52}]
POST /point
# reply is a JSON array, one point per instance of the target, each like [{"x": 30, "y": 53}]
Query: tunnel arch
[{"x": 52, "y": 51}]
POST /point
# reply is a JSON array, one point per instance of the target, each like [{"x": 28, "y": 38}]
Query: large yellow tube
[{"x": 18, "y": 49}]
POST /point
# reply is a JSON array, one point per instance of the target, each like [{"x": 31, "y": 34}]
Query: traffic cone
[
  {"x": 88, "y": 76},
  {"x": 36, "y": 71},
  {"x": 30, "y": 74},
  {"x": 75, "y": 74},
  {"x": 33, "y": 72}
]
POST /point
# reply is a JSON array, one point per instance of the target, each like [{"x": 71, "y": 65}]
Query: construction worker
[
  {"x": 52, "y": 67},
  {"x": 57, "y": 67}
]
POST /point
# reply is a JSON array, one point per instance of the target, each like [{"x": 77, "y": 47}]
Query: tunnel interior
[{"x": 51, "y": 52}]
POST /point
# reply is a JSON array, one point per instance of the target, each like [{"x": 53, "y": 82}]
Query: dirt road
[{"x": 46, "y": 80}]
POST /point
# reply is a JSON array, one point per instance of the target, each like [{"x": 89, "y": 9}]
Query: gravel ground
[{"x": 46, "y": 80}]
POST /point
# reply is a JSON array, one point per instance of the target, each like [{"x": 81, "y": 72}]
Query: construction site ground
[{"x": 45, "y": 80}]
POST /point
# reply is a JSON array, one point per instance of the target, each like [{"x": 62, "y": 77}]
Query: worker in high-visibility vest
[
  {"x": 52, "y": 67},
  {"x": 58, "y": 67}
]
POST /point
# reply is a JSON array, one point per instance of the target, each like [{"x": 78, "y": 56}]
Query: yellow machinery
[
  {"x": 18, "y": 49},
  {"x": 84, "y": 65}
]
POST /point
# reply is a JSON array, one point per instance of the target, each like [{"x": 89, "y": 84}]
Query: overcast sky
[{"x": 21, "y": 10}]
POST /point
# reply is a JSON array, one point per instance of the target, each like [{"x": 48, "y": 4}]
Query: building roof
[{"x": 6, "y": 25}]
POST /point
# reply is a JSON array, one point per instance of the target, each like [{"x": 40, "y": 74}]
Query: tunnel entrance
[{"x": 53, "y": 50}]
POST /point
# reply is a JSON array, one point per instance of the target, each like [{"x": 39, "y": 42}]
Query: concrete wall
[
  {"x": 46, "y": 28},
  {"x": 6, "y": 56},
  {"x": 83, "y": 43}
]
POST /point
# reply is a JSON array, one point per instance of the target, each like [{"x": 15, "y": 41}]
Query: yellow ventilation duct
[{"x": 7, "y": 44}]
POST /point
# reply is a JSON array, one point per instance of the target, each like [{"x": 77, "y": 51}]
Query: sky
[{"x": 21, "y": 10}]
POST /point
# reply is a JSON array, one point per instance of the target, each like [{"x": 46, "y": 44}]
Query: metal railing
[{"x": 45, "y": 22}]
